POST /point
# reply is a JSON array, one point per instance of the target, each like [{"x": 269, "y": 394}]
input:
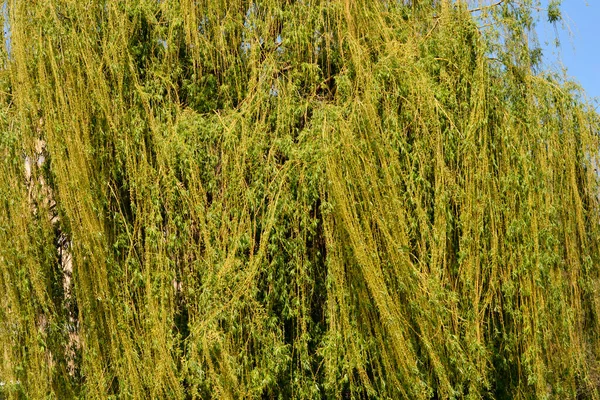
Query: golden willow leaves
[{"x": 293, "y": 199}]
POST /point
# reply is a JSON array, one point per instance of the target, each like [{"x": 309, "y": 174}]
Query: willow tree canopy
[{"x": 294, "y": 199}]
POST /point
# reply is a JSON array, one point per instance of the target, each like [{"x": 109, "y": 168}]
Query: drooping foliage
[{"x": 293, "y": 199}]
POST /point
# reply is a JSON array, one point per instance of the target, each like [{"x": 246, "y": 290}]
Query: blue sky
[{"x": 579, "y": 37}]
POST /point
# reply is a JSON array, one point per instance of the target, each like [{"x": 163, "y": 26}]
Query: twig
[
  {"x": 486, "y": 7},
  {"x": 478, "y": 8}
]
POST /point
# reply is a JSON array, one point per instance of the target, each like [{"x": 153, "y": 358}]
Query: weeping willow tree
[{"x": 294, "y": 199}]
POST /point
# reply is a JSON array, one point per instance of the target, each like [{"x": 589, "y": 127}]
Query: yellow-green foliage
[{"x": 294, "y": 199}]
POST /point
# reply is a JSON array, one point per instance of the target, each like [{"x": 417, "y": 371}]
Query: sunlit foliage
[{"x": 294, "y": 199}]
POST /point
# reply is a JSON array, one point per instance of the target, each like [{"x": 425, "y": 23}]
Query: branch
[
  {"x": 479, "y": 8},
  {"x": 486, "y": 7}
]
